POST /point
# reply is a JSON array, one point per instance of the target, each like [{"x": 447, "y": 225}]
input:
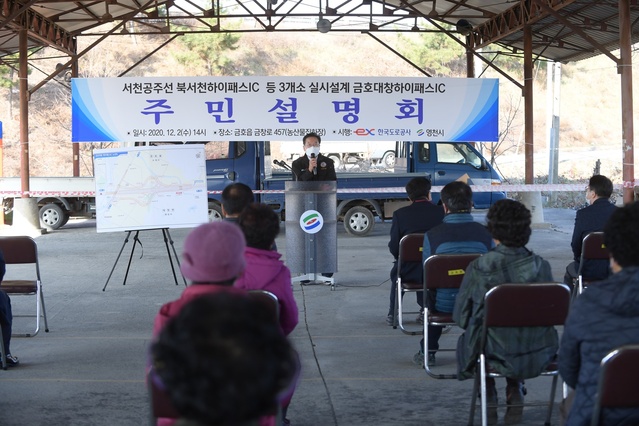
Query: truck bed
[
  {"x": 52, "y": 186},
  {"x": 348, "y": 181}
]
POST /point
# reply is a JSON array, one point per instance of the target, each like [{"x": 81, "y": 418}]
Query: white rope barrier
[{"x": 475, "y": 188}]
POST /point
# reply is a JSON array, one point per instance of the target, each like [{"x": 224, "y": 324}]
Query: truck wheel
[
  {"x": 65, "y": 219},
  {"x": 388, "y": 160},
  {"x": 52, "y": 216},
  {"x": 359, "y": 221},
  {"x": 215, "y": 212}
]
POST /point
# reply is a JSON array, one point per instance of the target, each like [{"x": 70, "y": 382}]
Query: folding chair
[
  {"x": 161, "y": 405},
  {"x": 592, "y": 248},
  {"x": 410, "y": 250},
  {"x": 23, "y": 250},
  {"x": 618, "y": 378},
  {"x": 442, "y": 271},
  {"x": 269, "y": 300},
  {"x": 513, "y": 306}
]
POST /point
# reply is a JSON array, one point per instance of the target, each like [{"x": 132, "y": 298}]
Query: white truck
[
  {"x": 58, "y": 197},
  {"x": 381, "y": 154}
]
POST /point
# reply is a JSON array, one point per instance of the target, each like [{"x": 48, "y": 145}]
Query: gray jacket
[{"x": 516, "y": 353}]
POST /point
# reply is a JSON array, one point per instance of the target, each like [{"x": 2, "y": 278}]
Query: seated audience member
[
  {"x": 591, "y": 219},
  {"x": 418, "y": 217},
  {"x": 223, "y": 361},
  {"x": 264, "y": 269},
  {"x": 516, "y": 353},
  {"x": 458, "y": 234},
  {"x": 212, "y": 259},
  {"x": 6, "y": 318},
  {"x": 235, "y": 197},
  {"x": 602, "y": 318}
]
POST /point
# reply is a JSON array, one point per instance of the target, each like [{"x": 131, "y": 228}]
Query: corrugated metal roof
[{"x": 563, "y": 30}]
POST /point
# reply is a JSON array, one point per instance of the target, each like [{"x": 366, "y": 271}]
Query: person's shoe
[
  {"x": 390, "y": 320},
  {"x": 420, "y": 317},
  {"x": 418, "y": 359},
  {"x": 491, "y": 401},
  {"x": 12, "y": 360},
  {"x": 431, "y": 359},
  {"x": 515, "y": 392}
]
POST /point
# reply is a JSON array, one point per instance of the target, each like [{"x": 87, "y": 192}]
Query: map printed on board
[{"x": 150, "y": 187}]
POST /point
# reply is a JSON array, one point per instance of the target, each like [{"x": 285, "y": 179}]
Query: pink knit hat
[{"x": 213, "y": 252}]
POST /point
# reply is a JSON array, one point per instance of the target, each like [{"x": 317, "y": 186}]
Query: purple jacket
[{"x": 265, "y": 271}]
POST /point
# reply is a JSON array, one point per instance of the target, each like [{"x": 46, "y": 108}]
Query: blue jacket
[
  {"x": 604, "y": 317},
  {"x": 591, "y": 219},
  {"x": 418, "y": 217},
  {"x": 458, "y": 234}
]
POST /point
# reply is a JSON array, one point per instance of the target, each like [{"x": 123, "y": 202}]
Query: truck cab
[
  {"x": 360, "y": 196},
  {"x": 444, "y": 162}
]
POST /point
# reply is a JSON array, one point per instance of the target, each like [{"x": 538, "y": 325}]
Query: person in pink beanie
[
  {"x": 212, "y": 259},
  {"x": 264, "y": 269}
]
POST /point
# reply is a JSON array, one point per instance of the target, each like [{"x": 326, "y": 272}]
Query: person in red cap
[{"x": 213, "y": 258}]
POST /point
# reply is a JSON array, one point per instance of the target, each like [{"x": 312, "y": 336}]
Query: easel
[{"x": 136, "y": 240}]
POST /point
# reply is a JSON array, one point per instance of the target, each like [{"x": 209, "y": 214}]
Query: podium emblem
[{"x": 311, "y": 221}]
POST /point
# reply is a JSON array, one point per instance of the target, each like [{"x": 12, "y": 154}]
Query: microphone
[
  {"x": 282, "y": 164},
  {"x": 314, "y": 168}
]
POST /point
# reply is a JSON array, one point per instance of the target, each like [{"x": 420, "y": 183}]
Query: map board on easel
[{"x": 150, "y": 187}]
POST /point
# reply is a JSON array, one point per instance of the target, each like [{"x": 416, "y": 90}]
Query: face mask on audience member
[{"x": 312, "y": 150}]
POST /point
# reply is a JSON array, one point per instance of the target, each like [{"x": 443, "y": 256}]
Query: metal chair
[
  {"x": 410, "y": 250},
  {"x": 268, "y": 299},
  {"x": 442, "y": 271},
  {"x": 592, "y": 248},
  {"x": 24, "y": 250},
  {"x": 514, "y": 306},
  {"x": 618, "y": 378},
  {"x": 161, "y": 405}
]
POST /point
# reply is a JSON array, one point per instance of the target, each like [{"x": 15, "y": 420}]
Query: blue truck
[
  {"x": 360, "y": 197},
  {"x": 358, "y": 200}
]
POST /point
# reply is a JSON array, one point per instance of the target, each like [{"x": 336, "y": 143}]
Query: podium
[{"x": 311, "y": 230}]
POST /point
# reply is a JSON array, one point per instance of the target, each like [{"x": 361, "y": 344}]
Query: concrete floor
[{"x": 89, "y": 369}]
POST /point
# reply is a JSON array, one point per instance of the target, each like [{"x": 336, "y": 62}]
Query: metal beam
[
  {"x": 514, "y": 20},
  {"x": 625, "y": 69},
  {"x": 38, "y": 27},
  {"x": 529, "y": 128},
  {"x": 417, "y": 67}
]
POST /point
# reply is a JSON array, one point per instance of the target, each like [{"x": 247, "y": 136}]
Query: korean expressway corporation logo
[{"x": 311, "y": 221}]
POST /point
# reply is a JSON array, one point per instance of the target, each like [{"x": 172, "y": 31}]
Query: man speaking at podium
[{"x": 313, "y": 166}]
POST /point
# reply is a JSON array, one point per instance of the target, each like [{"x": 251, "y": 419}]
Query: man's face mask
[{"x": 312, "y": 150}]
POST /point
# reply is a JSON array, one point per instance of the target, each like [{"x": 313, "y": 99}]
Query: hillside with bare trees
[{"x": 590, "y": 99}]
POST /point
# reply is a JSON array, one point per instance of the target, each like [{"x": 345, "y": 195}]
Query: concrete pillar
[
  {"x": 532, "y": 200},
  {"x": 25, "y": 215}
]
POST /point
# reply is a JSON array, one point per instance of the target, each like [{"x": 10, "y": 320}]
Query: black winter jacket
[{"x": 604, "y": 317}]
